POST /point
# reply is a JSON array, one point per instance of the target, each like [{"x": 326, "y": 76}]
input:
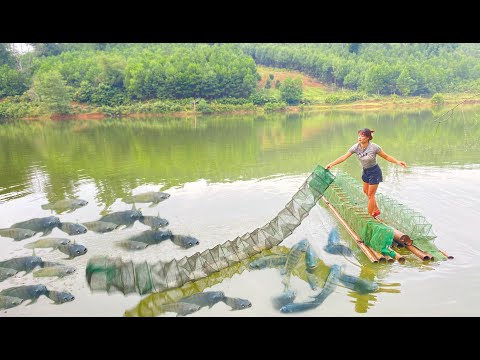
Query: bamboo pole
[
  {"x": 405, "y": 240},
  {"x": 419, "y": 253},
  {"x": 358, "y": 240},
  {"x": 380, "y": 257},
  {"x": 398, "y": 236},
  {"x": 445, "y": 254},
  {"x": 399, "y": 257}
]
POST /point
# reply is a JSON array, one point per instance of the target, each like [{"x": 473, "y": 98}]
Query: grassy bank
[{"x": 316, "y": 97}]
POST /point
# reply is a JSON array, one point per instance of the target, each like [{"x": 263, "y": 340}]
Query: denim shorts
[{"x": 372, "y": 175}]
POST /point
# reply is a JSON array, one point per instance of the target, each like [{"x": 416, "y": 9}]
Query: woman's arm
[
  {"x": 339, "y": 160},
  {"x": 387, "y": 157}
]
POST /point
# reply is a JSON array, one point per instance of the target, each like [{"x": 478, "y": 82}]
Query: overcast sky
[{"x": 23, "y": 47}]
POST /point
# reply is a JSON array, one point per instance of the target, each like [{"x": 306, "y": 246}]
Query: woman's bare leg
[{"x": 372, "y": 204}]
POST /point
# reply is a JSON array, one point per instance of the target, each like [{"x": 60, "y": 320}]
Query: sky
[{"x": 23, "y": 47}]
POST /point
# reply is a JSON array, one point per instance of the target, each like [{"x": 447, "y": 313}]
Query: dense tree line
[
  {"x": 404, "y": 69},
  {"x": 120, "y": 76},
  {"x": 114, "y": 74}
]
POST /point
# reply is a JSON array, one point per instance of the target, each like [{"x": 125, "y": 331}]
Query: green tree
[
  {"x": 12, "y": 82},
  {"x": 354, "y": 48},
  {"x": 268, "y": 84},
  {"x": 438, "y": 99},
  {"x": 277, "y": 84},
  {"x": 291, "y": 91},
  {"x": 53, "y": 92},
  {"x": 47, "y": 49},
  {"x": 271, "y": 76},
  {"x": 405, "y": 83},
  {"x": 6, "y": 57}
]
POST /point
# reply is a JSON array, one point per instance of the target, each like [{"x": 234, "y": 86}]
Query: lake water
[{"x": 228, "y": 175}]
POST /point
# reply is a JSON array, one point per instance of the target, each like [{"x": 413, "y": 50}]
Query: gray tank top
[{"x": 367, "y": 156}]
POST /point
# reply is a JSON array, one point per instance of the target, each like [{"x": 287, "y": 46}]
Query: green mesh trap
[
  {"x": 347, "y": 196},
  {"x": 114, "y": 274}
]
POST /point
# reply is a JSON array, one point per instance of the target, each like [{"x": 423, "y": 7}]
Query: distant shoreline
[{"x": 366, "y": 105}]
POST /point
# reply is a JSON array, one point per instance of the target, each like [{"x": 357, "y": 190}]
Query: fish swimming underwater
[
  {"x": 294, "y": 255},
  {"x": 73, "y": 250},
  {"x": 54, "y": 271},
  {"x": 153, "y": 197},
  {"x": 334, "y": 246},
  {"x": 287, "y": 297},
  {"x": 26, "y": 292},
  {"x": 17, "y": 234},
  {"x": 72, "y": 228},
  {"x": 131, "y": 245},
  {"x": 355, "y": 283},
  {"x": 237, "y": 303},
  {"x": 127, "y": 217},
  {"x": 268, "y": 261},
  {"x": 7, "y": 302},
  {"x": 5, "y": 273},
  {"x": 47, "y": 243},
  {"x": 61, "y": 206},
  {"x": 100, "y": 226},
  {"x": 206, "y": 298},
  {"x": 151, "y": 237},
  {"x": 330, "y": 285},
  {"x": 44, "y": 225},
  {"x": 180, "y": 308},
  {"x": 185, "y": 241},
  {"x": 24, "y": 263},
  {"x": 311, "y": 258},
  {"x": 154, "y": 222},
  {"x": 59, "y": 297}
]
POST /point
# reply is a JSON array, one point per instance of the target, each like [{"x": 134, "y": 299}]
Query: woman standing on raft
[{"x": 372, "y": 174}]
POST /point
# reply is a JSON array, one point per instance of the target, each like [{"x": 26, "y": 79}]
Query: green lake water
[{"x": 228, "y": 175}]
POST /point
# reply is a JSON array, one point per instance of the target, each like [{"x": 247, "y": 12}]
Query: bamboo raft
[{"x": 400, "y": 239}]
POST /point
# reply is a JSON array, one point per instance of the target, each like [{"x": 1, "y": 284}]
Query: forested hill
[
  {"x": 403, "y": 69},
  {"x": 111, "y": 75},
  {"x": 127, "y": 78}
]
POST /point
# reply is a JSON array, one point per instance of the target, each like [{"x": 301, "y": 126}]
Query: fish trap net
[
  {"x": 347, "y": 196},
  {"x": 114, "y": 274}
]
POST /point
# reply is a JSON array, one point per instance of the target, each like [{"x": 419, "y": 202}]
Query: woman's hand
[
  {"x": 329, "y": 166},
  {"x": 402, "y": 163}
]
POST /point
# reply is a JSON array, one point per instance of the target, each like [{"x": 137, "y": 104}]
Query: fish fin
[
  {"x": 47, "y": 232},
  {"x": 128, "y": 226},
  {"x": 153, "y": 204},
  {"x": 32, "y": 301}
]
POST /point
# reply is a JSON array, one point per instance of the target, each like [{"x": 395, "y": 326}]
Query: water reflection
[
  {"x": 154, "y": 304},
  {"x": 118, "y": 155}
]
